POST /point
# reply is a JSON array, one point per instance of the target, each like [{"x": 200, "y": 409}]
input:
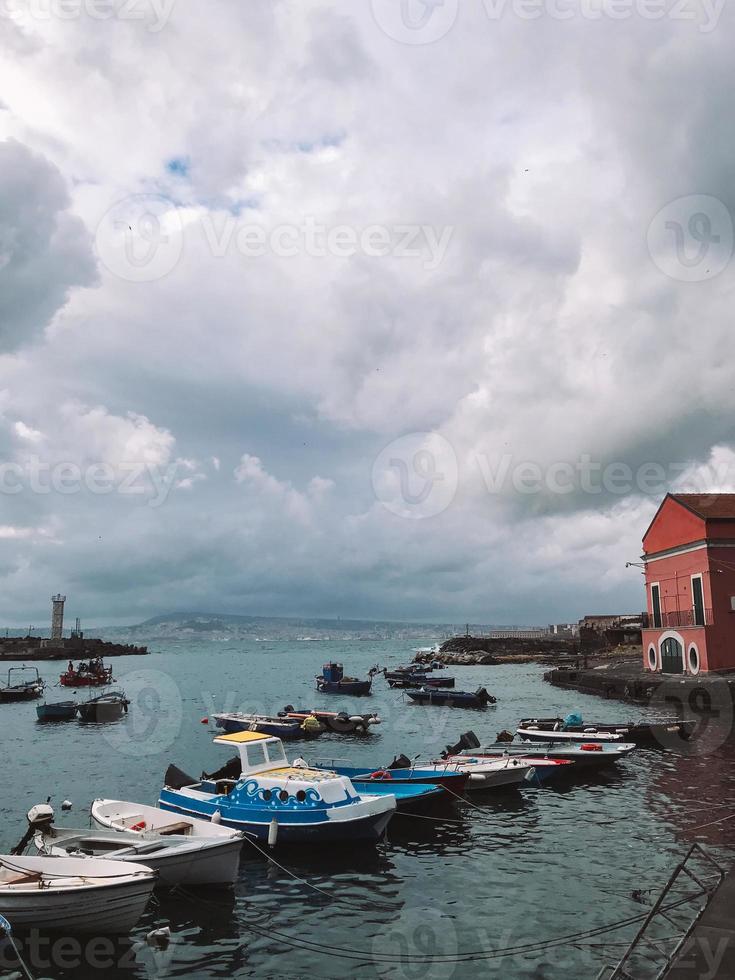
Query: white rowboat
[
  {"x": 178, "y": 859},
  {"x": 73, "y": 894}
]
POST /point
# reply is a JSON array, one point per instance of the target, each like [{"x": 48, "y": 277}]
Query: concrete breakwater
[
  {"x": 477, "y": 650},
  {"x": 28, "y": 648},
  {"x": 626, "y": 680}
]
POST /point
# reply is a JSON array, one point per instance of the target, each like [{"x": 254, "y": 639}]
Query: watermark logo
[
  {"x": 154, "y": 13},
  {"x": 416, "y": 476},
  {"x": 692, "y": 239},
  {"x": 421, "y": 944},
  {"x": 141, "y": 239},
  {"x": 415, "y": 21},
  {"x": 709, "y": 705},
  {"x": 154, "y": 718}
]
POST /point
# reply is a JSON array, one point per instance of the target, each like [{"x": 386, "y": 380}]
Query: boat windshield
[
  {"x": 256, "y": 754},
  {"x": 276, "y": 752}
]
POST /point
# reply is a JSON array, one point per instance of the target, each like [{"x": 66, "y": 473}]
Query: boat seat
[
  {"x": 182, "y": 827},
  {"x": 21, "y": 878}
]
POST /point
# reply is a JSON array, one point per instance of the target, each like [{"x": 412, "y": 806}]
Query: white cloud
[{"x": 545, "y": 335}]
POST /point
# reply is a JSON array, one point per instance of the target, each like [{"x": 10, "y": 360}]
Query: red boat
[{"x": 92, "y": 674}]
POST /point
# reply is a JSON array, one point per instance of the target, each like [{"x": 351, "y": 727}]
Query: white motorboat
[
  {"x": 73, "y": 895},
  {"x": 486, "y": 773},
  {"x": 178, "y": 859}
]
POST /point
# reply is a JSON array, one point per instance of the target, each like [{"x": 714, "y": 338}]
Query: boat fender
[
  {"x": 204, "y": 721},
  {"x": 380, "y": 774},
  {"x": 216, "y": 817},
  {"x": 592, "y": 747},
  {"x": 272, "y": 833},
  {"x": 141, "y": 825}
]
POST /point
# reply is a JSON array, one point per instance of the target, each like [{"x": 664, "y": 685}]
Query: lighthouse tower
[{"x": 57, "y": 616}]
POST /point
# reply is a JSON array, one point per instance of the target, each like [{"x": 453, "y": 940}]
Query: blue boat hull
[
  {"x": 279, "y": 729},
  {"x": 449, "y": 699},
  {"x": 409, "y": 796},
  {"x": 298, "y": 831},
  {"x": 353, "y": 688},
  {"x": 65, "y": 711}
]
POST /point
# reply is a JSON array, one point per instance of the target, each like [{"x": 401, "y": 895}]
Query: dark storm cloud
[{"x": 44, "y": 250}]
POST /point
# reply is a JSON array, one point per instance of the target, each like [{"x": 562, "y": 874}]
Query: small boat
[
  {"x": 276, "y": 801},
  {"x": 286, "y": 728},
  {"x": 452, "y": 699},
  {"x": 334, "y": 721},
  {"x": 18, "y": 689},
  {"x": 60, "y": 711},
  {"x": 390, "y": 776},
  {"x": 178, "y": 859},
  {"x": 574, "y": 729},
  {"x": 585, "y": 755},
  {"x": 332, "y": 681},
  {"x": 486, "y": 774},
  {"x": 87, "y": 674},
  {"x": 73, "y": 895},
  {"x": 144, "y": 820},
  {"x": 408, "y": 796},
  {"x": 106, "y": 707},
  {"x": 420, "y": 680}
]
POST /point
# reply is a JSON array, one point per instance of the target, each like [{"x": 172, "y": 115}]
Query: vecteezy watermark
[
  {"x": 426, "y": 21},
  {"x": 583, "y": 475},
  {"x": 416, "y": 476},
  {"x": 154, "y": 720},
  {"x": 142, "y": 239},
  {"x": 692, "y": 239},
  {"x": 705, "y": 13},
  {"x": 415, "y": 21},
  {"x": 155, "y": 13},
  {"x": 145, "y": 481},
  {"x": 61, "y": 953},
  {"x": 421, "y": 944}
]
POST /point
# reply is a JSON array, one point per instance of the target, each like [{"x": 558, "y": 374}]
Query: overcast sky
[{"x": 408, "y": 311}]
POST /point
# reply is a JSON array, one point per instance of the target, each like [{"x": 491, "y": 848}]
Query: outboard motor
[
  {"x": 504, "y": 736},
  {"x": 467, "y": 741},
  {"x": 175, "y": 778},
  {"x": 39, "y": 817},
  {"x": 400, "y": 762},
  {"x": 232, "y": 769}
]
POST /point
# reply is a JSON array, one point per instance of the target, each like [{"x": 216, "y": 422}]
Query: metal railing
[
  {"x": 642, "y": 947},
  {"x": 678, "y": 618}
]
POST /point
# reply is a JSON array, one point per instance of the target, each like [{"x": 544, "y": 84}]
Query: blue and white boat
[
  {"x": 278, "y": 802},
  {"x": 237, "y": 721}
]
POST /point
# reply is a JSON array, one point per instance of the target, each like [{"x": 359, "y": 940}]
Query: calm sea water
[{"x": 500, "y": 878}]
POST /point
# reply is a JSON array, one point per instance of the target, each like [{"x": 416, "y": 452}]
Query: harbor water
[{"x": 499, "y": 886}]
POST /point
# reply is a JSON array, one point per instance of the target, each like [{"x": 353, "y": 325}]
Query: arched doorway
[{"x": 672, "y": 656}]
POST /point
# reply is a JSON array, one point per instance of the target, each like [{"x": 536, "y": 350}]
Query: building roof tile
[{"x": 710, "y": 506}]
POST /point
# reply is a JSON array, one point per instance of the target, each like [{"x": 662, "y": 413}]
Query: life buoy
[
  {"x": 139, "y": 826},
  {"x": 380, "y": 774}
]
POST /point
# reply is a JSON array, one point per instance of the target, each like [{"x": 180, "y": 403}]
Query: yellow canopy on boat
[{"x": 238, "y": 737}]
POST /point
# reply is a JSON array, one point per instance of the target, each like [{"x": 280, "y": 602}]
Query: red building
[{"x": 689, "y": 556}]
